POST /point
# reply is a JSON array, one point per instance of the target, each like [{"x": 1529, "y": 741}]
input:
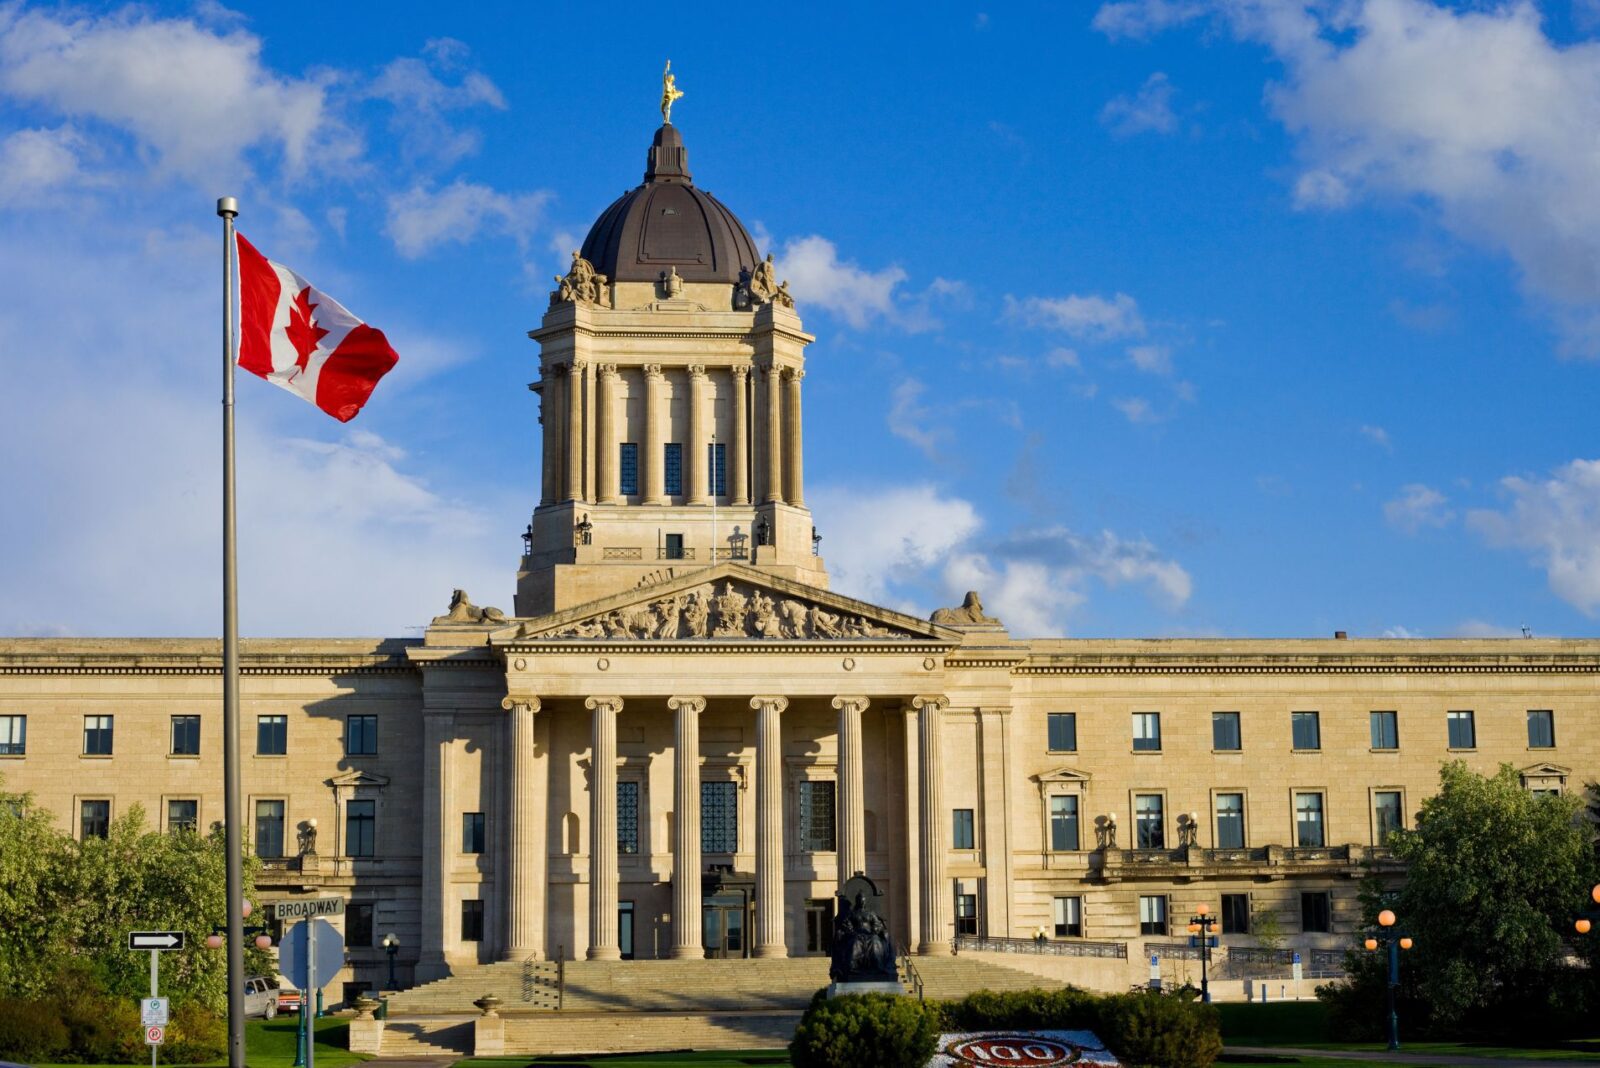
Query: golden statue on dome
[{"x": 669, "y": 93}]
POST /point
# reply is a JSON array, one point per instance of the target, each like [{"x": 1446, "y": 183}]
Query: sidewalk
[{"x": 1384, "y": 1056}]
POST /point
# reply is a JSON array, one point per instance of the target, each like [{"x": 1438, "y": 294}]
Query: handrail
[
  {"x": 561, "y": 977},
  {"x": 529, "y": 980},
  {"x": 1075, "y": 947},
  {"x": 913, "y": 978}
]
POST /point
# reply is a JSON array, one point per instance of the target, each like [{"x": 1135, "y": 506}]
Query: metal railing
[
  {"x": 1256, "y": 855},
  {"x": 664, "y": 553},
  {"x": 1048, "y": 947},
  {"x": 538, "y": 982},
  {"x": 727, "y": 552},
  {"x": 1301, "y": 854},
  {"x": 913, "y": 978},
  {"x": 1172, "y": 950},
  {"x": 622, "y": 552}
]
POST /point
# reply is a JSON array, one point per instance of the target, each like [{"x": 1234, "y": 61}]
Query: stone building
[{"x": 680, "y": 741}]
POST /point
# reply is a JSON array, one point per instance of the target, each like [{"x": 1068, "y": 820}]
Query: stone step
[
  {"x": 427, "y": 1037},
  {"x": 647, "y": 1032}
]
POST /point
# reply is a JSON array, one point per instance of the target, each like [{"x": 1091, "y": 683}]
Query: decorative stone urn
[
  {"x": 489, "y": 1005},
  {"x": 365, "y": 1007}
]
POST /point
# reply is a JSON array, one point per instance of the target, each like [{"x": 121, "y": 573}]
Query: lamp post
[
  {"x": 1200, "y": 925},
  {"x": 1396, "y": 941},
  {"x": 391, "y": 946}
]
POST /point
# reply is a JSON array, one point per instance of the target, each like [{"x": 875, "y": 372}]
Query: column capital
[
  {"x": 776, "y": 704},
  {"x": 854, "y": 704},
  {"x": 576, "y": 366},
  {"x": 741, "y": 371},
  {"x": 605, "y": 704},
  {"x": 939, "y": 701},
  {"x": 697, "y": 370},
  {"x": 559, "y": 370},
  {"x": 521, "y": 704},
  {"x": 795, "y": 373},
  {"x": 695, "y": 705},
  {"x": 606, "y": 370},
  {"x": 652, "y": 370}
]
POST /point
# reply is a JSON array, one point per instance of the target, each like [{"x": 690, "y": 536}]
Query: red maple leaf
[{"x": 303, "y": 331}]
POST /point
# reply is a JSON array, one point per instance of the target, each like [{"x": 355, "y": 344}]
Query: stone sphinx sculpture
[
  {"x": 970, "y": 613},
  {"x": 462, "y": 610},
  {"x": 863, "y": 957}
]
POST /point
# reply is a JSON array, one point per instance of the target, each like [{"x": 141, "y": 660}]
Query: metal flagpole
[{"x": 228, "y": 208}]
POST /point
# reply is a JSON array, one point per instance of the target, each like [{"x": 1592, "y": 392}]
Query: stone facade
[{"x": 681, "y": 742}]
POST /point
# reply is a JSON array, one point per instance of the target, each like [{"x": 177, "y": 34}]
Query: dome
[{"x": 667, "y": 222}]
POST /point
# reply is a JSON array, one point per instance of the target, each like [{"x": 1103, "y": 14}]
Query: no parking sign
[{"x": 153, "y": 1035}]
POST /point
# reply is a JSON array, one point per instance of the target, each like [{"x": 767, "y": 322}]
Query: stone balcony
[{"x": 1187, "y": 863}]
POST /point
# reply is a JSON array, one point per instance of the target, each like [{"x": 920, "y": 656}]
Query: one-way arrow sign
[{"x": 159, "y": 940}]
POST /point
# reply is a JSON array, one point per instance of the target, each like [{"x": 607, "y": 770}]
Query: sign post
[
  {"x": 311, "y": 954},
  {"x": 1297, "y": 976},
  {"x": 153, "y": 1010}
]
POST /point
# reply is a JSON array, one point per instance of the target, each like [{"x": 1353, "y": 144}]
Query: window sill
[
  {"x": 1461, "y": 749},
  {"x": 13, "y": 756},
  {"x": 1317, "y": 750},
  {"x": 1237, "y": 752},
  {"x": 1145, "y": 752},
  {"x": 1061, "y": 752},
  {"x": 183, "y": 756},
  {"x": 1541, "y": 748},
  {"x": 1385, "y": 749},
  {"x": 95, "y": 756},
  {"x": 270, "y": 756}
]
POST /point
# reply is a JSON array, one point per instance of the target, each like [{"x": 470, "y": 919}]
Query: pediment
[
  {"x": 728, "y": 602},
  {"x": 356, "y": 779},
  {"x": 1062, "y": 775},
  {"x": 1544, "y": 770}
]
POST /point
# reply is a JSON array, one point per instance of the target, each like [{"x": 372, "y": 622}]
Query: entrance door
[
  {"x": 723, "y": 921},
  {"x": 819, "y": 925},
  {"x": 625, "y": 929}
]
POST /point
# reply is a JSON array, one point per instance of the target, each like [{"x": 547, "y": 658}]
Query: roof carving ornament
[
  {"x": 970, "y": 614},
  {"x": 462, "y": 610},
  {"x": 582, "y": 284},
  {"x": 761, "y": 286},
  {"x": 670, "y": 93},
  {"x": 731, "y": 610}
]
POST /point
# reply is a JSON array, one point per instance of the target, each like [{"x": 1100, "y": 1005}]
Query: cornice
[
  {"x": 886, "y": 647},
  {"x": 1317, "y": 666},
  {"x": 300, "y": 667}
]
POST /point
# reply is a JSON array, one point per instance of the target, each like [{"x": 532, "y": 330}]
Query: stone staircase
[{"x": 646, "y": 1005}]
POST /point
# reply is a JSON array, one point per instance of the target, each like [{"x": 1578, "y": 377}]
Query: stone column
[
  {"x": 653, "y": 456},
  {"x": 699, "y": 473},
  {"x": 793, "y": 484},
  {"x": 933, "y": 832},
  {"x": 438, "y": 730},
  {"x": 524, "y": 883},
  {"x": 603, "y": 827},
  {"x": 911, "y": 824},
  {"x": 772, "y": 483},
  {"x": 852, "y": 794},
  {"x": 686, "y": 933},
  {"x": 739, "y": 446},
  {"x": 769, "y": 940},
  {"x": 608, "y": 490},
  {"x": 589, "y": 432},
  {"x": 549, "y": 421},
  {"x": 573, "y": 490}
]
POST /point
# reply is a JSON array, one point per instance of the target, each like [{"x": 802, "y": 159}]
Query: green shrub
[
  {"x": 1161, "y": 1032},
  {"x": 195, "y": 1037},
  {"x": 865, "y": 1031},
  {"x": 31, "y": 1031},
  {"x": 1067, "y": 1009}
]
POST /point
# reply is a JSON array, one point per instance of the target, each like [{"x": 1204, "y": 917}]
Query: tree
[
  {"x": 66, "y": 901},
  {"x": 1494, "y": 877}
]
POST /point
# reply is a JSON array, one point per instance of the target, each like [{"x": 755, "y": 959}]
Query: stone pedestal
[
  {"x": 886, "y": 986},
  {"x": 366, "y": 1035},
  {"x": 489, "y": 1035}
]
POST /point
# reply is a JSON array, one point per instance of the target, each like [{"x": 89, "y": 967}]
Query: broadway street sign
[
  {"x": 308, "y": 908},
  {"x": 156, "y": 940}
]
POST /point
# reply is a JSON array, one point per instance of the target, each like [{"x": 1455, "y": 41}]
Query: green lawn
[
  {"x": 272, "y": 1045},
  {"x": 630, "y": 1060}
]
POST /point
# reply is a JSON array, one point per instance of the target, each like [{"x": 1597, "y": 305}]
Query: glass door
[
  {"x": 723, "y": 926},
  {"x": 625, "y": 929}
]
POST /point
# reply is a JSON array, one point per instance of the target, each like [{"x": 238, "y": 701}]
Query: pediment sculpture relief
[{"x": 731, "y": 610}]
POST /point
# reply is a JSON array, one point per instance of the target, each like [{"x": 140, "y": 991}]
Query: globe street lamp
[
  {"x": 1200, "y": 925},
  {"x": 1585, "y": 921},
  {"x": 391, "y": 946},
  {"x": 1396, "y": 941}
]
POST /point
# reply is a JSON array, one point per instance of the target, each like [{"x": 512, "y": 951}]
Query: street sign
[
  {"x": 311, "y": 954},
  {"x": 156, "y": 940},
  {"x": 153, "y": 1012},
  {"x": 154, "y": 1035},
  {"x": 307, "y": 908}
]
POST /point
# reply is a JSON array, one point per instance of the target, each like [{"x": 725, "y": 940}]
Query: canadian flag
[{"x": 296, "y": 336}]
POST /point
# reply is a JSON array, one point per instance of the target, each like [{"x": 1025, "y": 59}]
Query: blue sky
[{"x": 1145, "y": 318}]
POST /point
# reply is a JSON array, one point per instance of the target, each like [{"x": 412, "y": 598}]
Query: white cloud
[
  {"x": 421, "y": 99},
  {"x": 422, "y": 218},
  {"x": 911, "y": 420},
  {"x": 1150, "y": 109},
  {"x": 1477, "y": 628},
  {"x": 1418, "y": 506},
  {"x": 1136, "y": 410},
  {"x": 1472, "y": 109},
  {"x": 818, "y": 277},
  {"x": 1557, "y": 521},
  {"x": 195, "y": 97},
  {"x": 39, "y": 164},
  {"x": 1063, "y": 357},
  {"x": 915, "y": 548},
  {"x": 1092, "y": 317},
  {"x": 1377, "y": 435},
  {"x": 1151, "y": 359}
]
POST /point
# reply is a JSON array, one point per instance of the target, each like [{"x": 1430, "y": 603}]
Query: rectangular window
[
  {"x": 1064, "y": 824},
  {"x": 628, "y": 469},
  {"x": 717, "y": 461},
  {"x": 94, "y": 819},
  {"x": 1385, "y": 730},
  {"x": 272, "y": 735},
  {"x": 269, "y": 829},
  {"x": 1307, "y": 730},
  {"x": 1314, "y": 912},
  {"x": 360, "y": 735},
  {"x": 472, "y": 920},
  {"x": 1149, "y": 822},
  {"x": 1387, "y": 812},
  {"x": 183, "y": 815},
  {"x": 185, "y": 735},
  {"x": 1069, "y": 917},
  {"x": 966, "y": 914},
  {"x": 672, "y": 548},
  {"x": 1225, "y": 731},
  {"x": 1230, "y": 821},
  {"x": 817, "y": 827},
  {"x": 963, "y": 838},
  {"x": 1463, "y": 733},
  {"x": 358, "y": 925},
  {"x": 627, "y": 818},
  {"x": 1235, "y": 913},
  {"x": 1308, "y": 820},
  {"x": 1147, "y": 732},
  {"x": 472, "y": 827},
  {"x": 97, "y": 735},
  {"x": 719, "y": 817},
  {"x": 1063, "y": 732},
  {"x": 1152, "y": 914},
  {"x": 360, "y": 828},
  {"x": 14, "y": 735},
  {"x": 672, "y": 468},
  {"x": 1541, "y": 729}
]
